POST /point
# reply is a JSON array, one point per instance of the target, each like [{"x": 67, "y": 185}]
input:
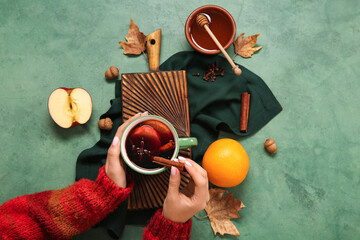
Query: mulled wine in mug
[{"x": 149, "y": 136}]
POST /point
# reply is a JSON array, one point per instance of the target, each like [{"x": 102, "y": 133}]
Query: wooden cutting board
[{"x": 162, "y": 93}]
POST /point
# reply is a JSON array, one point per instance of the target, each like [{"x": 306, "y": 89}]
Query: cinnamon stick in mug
[
  {"x": 245, "y": 106},
  {"x": 168, "y": 163}
]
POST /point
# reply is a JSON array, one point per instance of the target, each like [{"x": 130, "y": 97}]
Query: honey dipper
[{"x": 203, "y": 21}]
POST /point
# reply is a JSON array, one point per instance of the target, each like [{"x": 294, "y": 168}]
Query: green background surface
[{"x": 310, "y": 59}]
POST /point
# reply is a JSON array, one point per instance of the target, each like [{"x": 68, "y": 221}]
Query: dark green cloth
[{"x": 214, "y": 106}]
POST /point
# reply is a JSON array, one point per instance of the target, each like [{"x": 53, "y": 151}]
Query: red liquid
[
  {"x": 144, "y": 141},
  {"x": 219, "y": 24}
]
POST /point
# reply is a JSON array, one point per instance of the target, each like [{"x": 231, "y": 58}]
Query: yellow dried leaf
[
  {"x": 245, "y": 47},
  {"x": 221, "y": 209},
  {"x": 135, "y": 40}
]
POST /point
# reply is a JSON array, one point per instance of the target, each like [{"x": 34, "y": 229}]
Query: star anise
[{"x": 141, "y": 151}]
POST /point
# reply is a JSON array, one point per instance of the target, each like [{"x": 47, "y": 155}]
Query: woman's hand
[
  {"x": 114, "y": 167},
  {"x": 178, "y": 207}
]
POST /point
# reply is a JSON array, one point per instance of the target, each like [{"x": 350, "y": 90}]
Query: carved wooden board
[{"x": 163, "y": 94}]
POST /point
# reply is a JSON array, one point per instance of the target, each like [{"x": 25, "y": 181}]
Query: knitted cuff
[
  {"x": 111, "y": 188},
  {"x": 162, "y": 228}
]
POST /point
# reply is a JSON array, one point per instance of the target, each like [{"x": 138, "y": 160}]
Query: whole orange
[{"x": 226, "y": 163}]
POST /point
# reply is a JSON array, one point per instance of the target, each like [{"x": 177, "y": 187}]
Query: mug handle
[{"x": 187, "y": 142}]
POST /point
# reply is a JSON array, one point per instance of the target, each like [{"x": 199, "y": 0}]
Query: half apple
[{"x": 70, "y": 106}]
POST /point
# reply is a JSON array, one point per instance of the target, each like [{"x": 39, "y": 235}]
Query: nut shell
[
  {"x": 112, "y": 73},
  {"x": 270, "y": 145},
  {"x": 105, "y": 124}
]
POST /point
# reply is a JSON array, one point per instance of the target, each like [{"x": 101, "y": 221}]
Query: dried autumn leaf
[
  {"x": 135, "y": 40},
  {"x": 245, "y": 47},
  {"x": 221, "y": 209}
]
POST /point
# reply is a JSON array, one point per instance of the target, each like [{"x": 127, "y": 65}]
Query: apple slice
[
  {"x": 70, "y": 106},
  {"x": 163, "y": 130},
  {"x": 152, "y": 140}
]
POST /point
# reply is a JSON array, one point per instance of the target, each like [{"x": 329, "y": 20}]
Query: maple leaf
[
  {"x": 135, "y": 40},
  {"x": 221, "y": 209},
  {"x": 245, "y": 47}
]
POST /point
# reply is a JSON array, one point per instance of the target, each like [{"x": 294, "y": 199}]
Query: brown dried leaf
[
  {"x": 221, "y": 209},
  {"x": 135, "y": 40},
  {"x": 244, "y": 47}
]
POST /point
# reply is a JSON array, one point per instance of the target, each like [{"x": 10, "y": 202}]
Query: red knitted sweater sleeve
[
  {"x": 161, "y": 228},
  {"x": 61, "y": 214}
]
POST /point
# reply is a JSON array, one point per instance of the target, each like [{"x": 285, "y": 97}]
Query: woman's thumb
[
  {"x": 113, "y": 156},
  {"x": 174, "y": 182}
]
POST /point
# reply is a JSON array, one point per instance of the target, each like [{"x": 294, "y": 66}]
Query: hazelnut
[
  {"x": 270, "y": 145},
  {"x": 105, "y": 124},
  {"x": 112, "y": 72}
]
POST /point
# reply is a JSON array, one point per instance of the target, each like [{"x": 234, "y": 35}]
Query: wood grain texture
[{"x": 163, "y": 94}]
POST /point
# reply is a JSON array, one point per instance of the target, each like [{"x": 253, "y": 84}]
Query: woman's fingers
[
  {"x": 113, "y": 155},
  {"x": 174, "y": 183},
  {"x": 177, "y": 206},
  {"x": 191, "y": 163},
  {"x": 199, "y": 176},
  {"x": 114, "y": 168}
]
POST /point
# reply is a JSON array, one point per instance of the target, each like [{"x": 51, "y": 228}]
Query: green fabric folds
[{"x": 216, "y": 106}]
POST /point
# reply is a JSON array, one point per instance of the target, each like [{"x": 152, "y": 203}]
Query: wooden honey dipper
[{"x": 203, "y": 21}]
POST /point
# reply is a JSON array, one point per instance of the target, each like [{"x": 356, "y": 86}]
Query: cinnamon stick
[
  {"x": 168, "y": 163},
  {"x": 245, "y": 106}
]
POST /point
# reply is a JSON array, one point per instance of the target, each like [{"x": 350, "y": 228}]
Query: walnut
[
  {"x": 270, "y": 145},
  {"x": 112, "y": 72},
  {"x": 105, "y": 124}
]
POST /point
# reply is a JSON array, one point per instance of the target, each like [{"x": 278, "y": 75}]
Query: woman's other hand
[
  {"x": 115, "y": 166},
  {"x": 178, "y": 207}
]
